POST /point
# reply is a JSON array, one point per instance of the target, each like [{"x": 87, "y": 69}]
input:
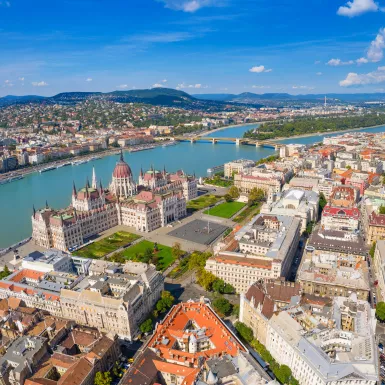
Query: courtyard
[{"x": 199, "y": 231}]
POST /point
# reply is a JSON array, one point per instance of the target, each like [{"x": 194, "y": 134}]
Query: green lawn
[
  {"x": 225, "y": 210},
  {"x": 164, "y": 254},
  {"x": 202, "y": 202},
  {"x": 220, "y": 182},
  {"x": 248, "y": 213},
  {"x": 106, "y": 245}
]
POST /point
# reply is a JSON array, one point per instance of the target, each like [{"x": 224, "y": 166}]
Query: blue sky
[{"x": 200, "y": 46}]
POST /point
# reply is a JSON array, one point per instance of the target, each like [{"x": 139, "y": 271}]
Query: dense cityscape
[{"x": 192, "y": 192}]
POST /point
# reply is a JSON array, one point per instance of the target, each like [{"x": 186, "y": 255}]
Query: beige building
[
  {"x": 264, "y": 248},
  {"x": 115, "y": 298},
  {"x": 268, "y": 183},
  {"x": 261, "y": 300},
  {"x": 237, "y": 167}
]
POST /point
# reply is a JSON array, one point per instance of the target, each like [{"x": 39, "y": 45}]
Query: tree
[
  {"x": 228, "y": 198},
  {"x": 382, "y": 209},
  {"x": 283, "y": 373},
  {"x": 198, "y": 260},
  {"x": 235, "y": 311},
  {"x": 234, "y": 192},
  {"x": 372, "y": 249},
  {"x": 5, "y": 272},
  {"x": 165, "y": 302},
  {"x": 256, "y": 195},
  {"x": 206, "y": 279},
  {"x": 146, "y": 326},
  {"x": 221, "y": 287},
  {"x": 103, "y": 378},
  {"x": 222, "y": 306},
  {"x": 218, "y": 285},
  {"x": 380, "y": 311},
  {"x": 176, "y": 250},
  {"x": 322, "y": 202},
  {"x": 148, "y": 255},
  {"x": 244, "y": 331}
]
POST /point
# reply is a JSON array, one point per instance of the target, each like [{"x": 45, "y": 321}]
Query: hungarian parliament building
[{"x": 157, "y": 200}]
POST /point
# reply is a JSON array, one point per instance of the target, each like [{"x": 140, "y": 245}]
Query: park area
[
  {"x": 99, "y": 249},
  {"x": 202, "y": 202},
  {"x": 140, "y": 252},
  {"x": 225, "y": 210}
]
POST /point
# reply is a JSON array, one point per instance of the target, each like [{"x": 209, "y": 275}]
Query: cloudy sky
[{"x": 200, "y": 46}]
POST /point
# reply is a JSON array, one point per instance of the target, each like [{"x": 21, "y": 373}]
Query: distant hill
[
  {"x": 156, "y": 96},
  {"x": 170, "y": 97}
]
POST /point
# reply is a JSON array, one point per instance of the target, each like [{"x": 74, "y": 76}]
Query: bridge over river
[{"x": 236, "y": 141}]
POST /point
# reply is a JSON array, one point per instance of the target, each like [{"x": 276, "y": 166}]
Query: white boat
[{"x": 49, "y": 168}]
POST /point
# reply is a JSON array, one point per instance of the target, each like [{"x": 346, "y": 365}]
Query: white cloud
[
  {"x": 354, "y": 79},
  {"x": 39, "y": 84},
  {"x": 302, "y": 88},
  {"x": 362, "y": 60},
  {"x": 260, "y": 87},
  {"x": 358, "y": 7},
  {"x": 375, "y": 51},
  {"x": 164, "y": 81},
  {"x": 157, "y": 85},
  {"x": 122, "y": 86},
  {"x": 319, "y": 73},
  {"x": 197, "y": 86},
  {"x": 21, "y": 79},
  {"x": 259, "y": 69},
  {"x": 8, "y": 83},
  {"x": 89, "y": 80},
  {"x": 339, "y": 62},
  {"x": 165, "y": 37},
  {"x": 190, "y": 5}
]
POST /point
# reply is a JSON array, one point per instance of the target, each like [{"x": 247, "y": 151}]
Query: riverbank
[
  {"x": 208, "y": 132},
  {"x": 86, "y": 157},
  {"x": 325, "y": 133}
]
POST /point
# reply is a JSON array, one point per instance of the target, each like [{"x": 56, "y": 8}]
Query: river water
[{"x": 17, "y": 198}]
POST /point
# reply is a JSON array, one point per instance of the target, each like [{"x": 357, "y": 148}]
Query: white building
[
  {"x": 299, "y": 203},
  {"x": 327, "y": 356}
]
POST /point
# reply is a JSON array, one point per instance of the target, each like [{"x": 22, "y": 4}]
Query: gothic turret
[{"x": 74, "y": 189}]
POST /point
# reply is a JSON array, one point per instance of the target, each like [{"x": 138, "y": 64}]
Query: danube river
[{"x": 17, "y": 198}]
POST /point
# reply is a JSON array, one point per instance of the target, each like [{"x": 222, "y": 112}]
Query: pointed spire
[
  {"x": 87, "y": 183},
  {"x": 94, "y": 182},
  {"x": 141, "y": 172},
  {"x": 46, "y": 205},
  {"x": 74, "y": 189},
  {"x": 101, "y": 187},
  {"x": 61, "y": 219},
  {"x": 121, "y": 155},
  {"x": 34, "y": 210},
  {"x": 164, "y": 170},
  {"x": 87, "y": 195}
]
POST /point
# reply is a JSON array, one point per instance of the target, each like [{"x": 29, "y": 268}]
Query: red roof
[{"x": 332, "y": 211}]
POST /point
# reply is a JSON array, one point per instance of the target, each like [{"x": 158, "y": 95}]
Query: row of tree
[
  {"x": 282, "y": 372},
  {"x": 300, "y": 126},
  {"x": 164, "y": 304}
]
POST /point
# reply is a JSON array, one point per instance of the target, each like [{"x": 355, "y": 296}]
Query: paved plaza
[{"x": 199, "y": 231}]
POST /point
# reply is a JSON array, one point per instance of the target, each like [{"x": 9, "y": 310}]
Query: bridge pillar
[
  {"x": 257, "y": 144},
  {"x": 237, "y": 142},
  {"x": 213, "y": 141},
  {"x": 192, "y": 140}
]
